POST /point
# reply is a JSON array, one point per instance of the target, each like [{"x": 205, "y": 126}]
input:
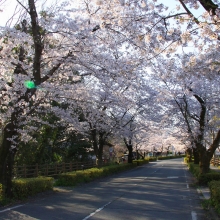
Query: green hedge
[
  {"x": 211, "y": 178},
  {"x": 214, "y": 187},
  {"x": 23, "y": 188},
  {"x": 203, "y": 179},
  {"x": 169, "y": 157},
  {"x": 152, "y": 159},
  {"x": 186, "y": 159},
  {"x": 140, "y": 162},
  {"x": 83, "y": 176},
  {"x": 194, "y": 169}
]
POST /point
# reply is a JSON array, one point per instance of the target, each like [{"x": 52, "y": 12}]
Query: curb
[
  {"x": 205, "y": 195},
  {"x": 205, "y": 192}
]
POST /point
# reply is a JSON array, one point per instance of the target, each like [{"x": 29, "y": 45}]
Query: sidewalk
[
  {"x": 205, "y": 193},
  {"x": 205, "y": 190}
]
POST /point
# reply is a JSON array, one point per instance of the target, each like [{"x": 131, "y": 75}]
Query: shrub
[
  {"x": 203, "y": 179},
  {"x": 93, "y": 173},
  {"x": 23, "y": 188},
  {"x": 140, "y": 162},
  {"x": 83, "y": 176},
  {"x": 152, "y": 159},
  {"x": 194, "y": 169},
  {"x": 169, "y": 157},
  {"x": 214, "y": 187},
  {"x": 186, "y": 159},
  {"x": 1, "y": 193}
]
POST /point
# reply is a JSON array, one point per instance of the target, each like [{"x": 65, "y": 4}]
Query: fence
[
  {"x": 215, "y": 161},
  {"x": 27, "y": 171}
]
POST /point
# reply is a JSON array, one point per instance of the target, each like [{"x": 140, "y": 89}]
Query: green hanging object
[{"x": 29, "y": 84}]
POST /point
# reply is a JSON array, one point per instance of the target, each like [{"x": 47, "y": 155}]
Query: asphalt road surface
[{"x": 159, "y": 191}]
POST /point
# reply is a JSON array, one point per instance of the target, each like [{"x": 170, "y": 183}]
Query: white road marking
[
  {"x": 187, "y": 186},
  {"x": 8, "y": 209},
  {"x": 194, "y": 215},
  {"x": 96, "y": 211},
  {"x": 172, "y": 177}
]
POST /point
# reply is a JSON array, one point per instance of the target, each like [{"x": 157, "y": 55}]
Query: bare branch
[
  {"x": 189, "y": 12},
  {"x": 23, "y": 6},
  {"x": 38, "y": 45}
]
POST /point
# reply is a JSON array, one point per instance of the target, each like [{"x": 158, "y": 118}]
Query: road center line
[
  {"x": 96, "y": 211},
  {"x": 8, "y": 209}
]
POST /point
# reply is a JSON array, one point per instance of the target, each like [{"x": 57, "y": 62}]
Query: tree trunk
[
  {"x": 7, "y": 155},
  {"x": 205, "y": 155},
  {"x": 100, "y": 149},
  {"x": 130, "y": 150},
  {"x": 99, "y": 161},
  {"x": 130, "y": 154},
  {"x": 196, "y": 156},
  {"x": 209, "y": 6},
  {"x": 98, "y": 145},
  {"x": 204, "y": 162},
  {"x": 95, "y": 143},
  {"x": 137, "y": 155},
  {"x": 189, "y": 154}
]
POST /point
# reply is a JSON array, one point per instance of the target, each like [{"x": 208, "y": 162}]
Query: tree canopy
[{"x": 105, "y": 70}]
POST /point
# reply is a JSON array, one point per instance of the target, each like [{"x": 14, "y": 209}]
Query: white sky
[{"x": 8, "y": 8}]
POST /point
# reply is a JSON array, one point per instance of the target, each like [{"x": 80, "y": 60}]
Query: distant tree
[{"x": 192, "y": 88}]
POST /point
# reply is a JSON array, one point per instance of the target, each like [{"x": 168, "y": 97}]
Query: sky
[{"x": 8, "y": 7}]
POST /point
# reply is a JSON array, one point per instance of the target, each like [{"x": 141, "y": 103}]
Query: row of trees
[
  {"x": 94, "y": 71},
  {"x": 194, "y": 99}
]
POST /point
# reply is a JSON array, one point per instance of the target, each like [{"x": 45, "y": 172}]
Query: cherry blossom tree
[
  {"x": 192, "y": 87},
  {"x": 33, "y": 73},
  {"x": 51, "y": 54}
]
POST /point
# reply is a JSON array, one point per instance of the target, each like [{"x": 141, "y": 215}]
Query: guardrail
[{"x": 28, "y": 171}]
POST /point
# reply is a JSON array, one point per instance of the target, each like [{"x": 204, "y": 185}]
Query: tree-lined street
[
  {"x": 160, "y": 190},
  {"x": 99, "y": 79}
]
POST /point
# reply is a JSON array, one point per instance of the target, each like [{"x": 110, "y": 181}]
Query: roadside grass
[
  {"x": 26, "y": 187},
  {"x": 203, "y": 179},
  {"x": 214, "y": 187}
]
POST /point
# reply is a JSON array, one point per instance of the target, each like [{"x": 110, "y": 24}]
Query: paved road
[{"x": 159, "y": 191}]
